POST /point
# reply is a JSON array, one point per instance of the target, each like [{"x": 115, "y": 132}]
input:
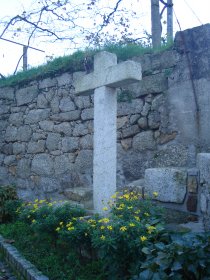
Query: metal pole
[{"x": 169, "y": 20}]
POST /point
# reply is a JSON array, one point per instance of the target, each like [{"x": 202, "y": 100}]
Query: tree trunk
[
  {"x": 169, "y": 21},
  {"x": 156, "y": 24}
]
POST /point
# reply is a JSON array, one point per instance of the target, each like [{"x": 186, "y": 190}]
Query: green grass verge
[{"x": 74, "y": 62}]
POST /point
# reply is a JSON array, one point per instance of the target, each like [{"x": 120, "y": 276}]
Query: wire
[{"x": 193, "y": 12}]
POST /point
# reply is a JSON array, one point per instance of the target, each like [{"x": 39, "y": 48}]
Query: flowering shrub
[{"x": 117, "y": 238}]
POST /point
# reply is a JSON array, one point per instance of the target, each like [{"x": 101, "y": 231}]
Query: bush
[
  {"x": 178, "y": 256},
  {"x": 7, "y": 193},
  {"x": 118, "y": 239}
]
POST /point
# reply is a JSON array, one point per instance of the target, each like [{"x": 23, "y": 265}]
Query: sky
[{"x": 190, "y": 13}]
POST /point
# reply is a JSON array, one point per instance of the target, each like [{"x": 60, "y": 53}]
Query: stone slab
[{"x": 169, "y": 183}]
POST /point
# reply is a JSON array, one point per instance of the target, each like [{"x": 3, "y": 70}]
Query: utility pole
[
  {"x": 169, "y": 20},
  {"x": 156, "y": 24}
]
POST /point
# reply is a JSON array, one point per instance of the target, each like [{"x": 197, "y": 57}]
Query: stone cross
[{"x": 107, "y": 76}]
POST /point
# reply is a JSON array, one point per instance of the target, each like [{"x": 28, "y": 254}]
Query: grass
[
  {"x": 74, "y": 62},
  {"x": 44, "y": 255}
]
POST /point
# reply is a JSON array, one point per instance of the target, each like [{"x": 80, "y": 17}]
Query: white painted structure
[{"x": 107, "y": 76}]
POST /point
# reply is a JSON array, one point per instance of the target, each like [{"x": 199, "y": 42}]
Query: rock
[
  {"x": 9, "y": 160},
  {"x": 24, "y": 133},
  {"x": 125, "y": 108},
  {"x": 123, "y": 121},
  {"x": 79, "y": 194},
  {"x": 67, "y": 116},
  {"x": 62, "y": 164},
  {"x": 35, "y": 116},
  {"x": 26, "y": 95},
  {"x": 154, "y": 120},
  {"x": 66, "y": 105},
  {"x": 42, "y": 164},
  {"x": 7, "y": 93},
  {"x": 70, "y": 144},
  {"x": 16, "y": 119},
  {"x": 87, "y": 114},
  {"x": 165, "y": 138},
  {"x": 134, "y": 118},
  {"x": 203, "y": 164},
  {"x": 11, "y": 134},
  {"x": 143, "y": 141},
  {"x": 46, "y": 125},
  {"x": 54, "y": 104},
  {"x": 63, "y": 128},
  {"x": 130, "y": 131},
  {"x": 169, "y": 183},
  {"x": 19, "y": 148},
  {"x": 142, "y": 122},
  {"x": 80, "y": 129},
  {"x": 145, "y": 110},
  {"x": 23, "y": 168},
  {"x": 52, "y": 142},
  {"x": 84, "y": 161},
  {"x": 86, "y": 142},
  {"x": 49, "y": 185},
  {"x": 42, "y": 102},
  {"x": 36, "y": 147},
  {"x": 47, "y": 83},
  {"x": 126, "y": 143},
  {"x": 82, "y": 102}
]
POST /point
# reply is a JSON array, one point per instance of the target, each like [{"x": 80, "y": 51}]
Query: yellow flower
[
  {"x": 91, "y": 221},
  {"x": 146, "y": 214},
  {"x": 137, "y": 218},
  {"x": 122, "y": 205},
  {"x": 132, "y": 225},
  {"x": 126, "y": 196},
  {"x": 114, "y": 196},
  {"x": 155, "y": 194},
  {"x": 70, "y": 228},
  {"x": 137, "y": 212},
  {"x": 102, "y": 227},
  {"x": 69, "y": 224},
  {"x": 124, "y": 228},
  {"x": 102, "y": 237},
  {"x": 151, "y": 229},
  {"x": 29, "y": 216},
  {"x": 57, "y": 229},
  {"x": 104, "y": 220},
  {"x": 36, "y": 200},
  {"x": 50, "y": 204},
  {"x": 143, "y": 238},
  {"x": 110, "y": 227},
  {"x": 105, "y": 209},
  {"x": 130, "y": 207},
  {"x": 33, "y": 221},
  {"x": 61, "y": 223}
]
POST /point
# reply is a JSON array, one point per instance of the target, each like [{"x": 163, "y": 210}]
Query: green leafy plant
[{"x": 178, "y": 256}]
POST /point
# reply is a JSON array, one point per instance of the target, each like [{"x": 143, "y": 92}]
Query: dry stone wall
[
  {"x": 46, "y": 140},
  {"x": 47, "y": 132}
]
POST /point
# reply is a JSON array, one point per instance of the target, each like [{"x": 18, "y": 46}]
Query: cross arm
[{"x": 114, "y": 76}]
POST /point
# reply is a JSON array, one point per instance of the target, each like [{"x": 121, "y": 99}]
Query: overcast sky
[{"x": 190, "y": 13}]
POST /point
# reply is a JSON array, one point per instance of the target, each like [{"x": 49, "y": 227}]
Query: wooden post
[
  {"x": 169, "y": 20},
  {"x": 156, "y": 25},
  {"x": 25, "y": 58}
]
